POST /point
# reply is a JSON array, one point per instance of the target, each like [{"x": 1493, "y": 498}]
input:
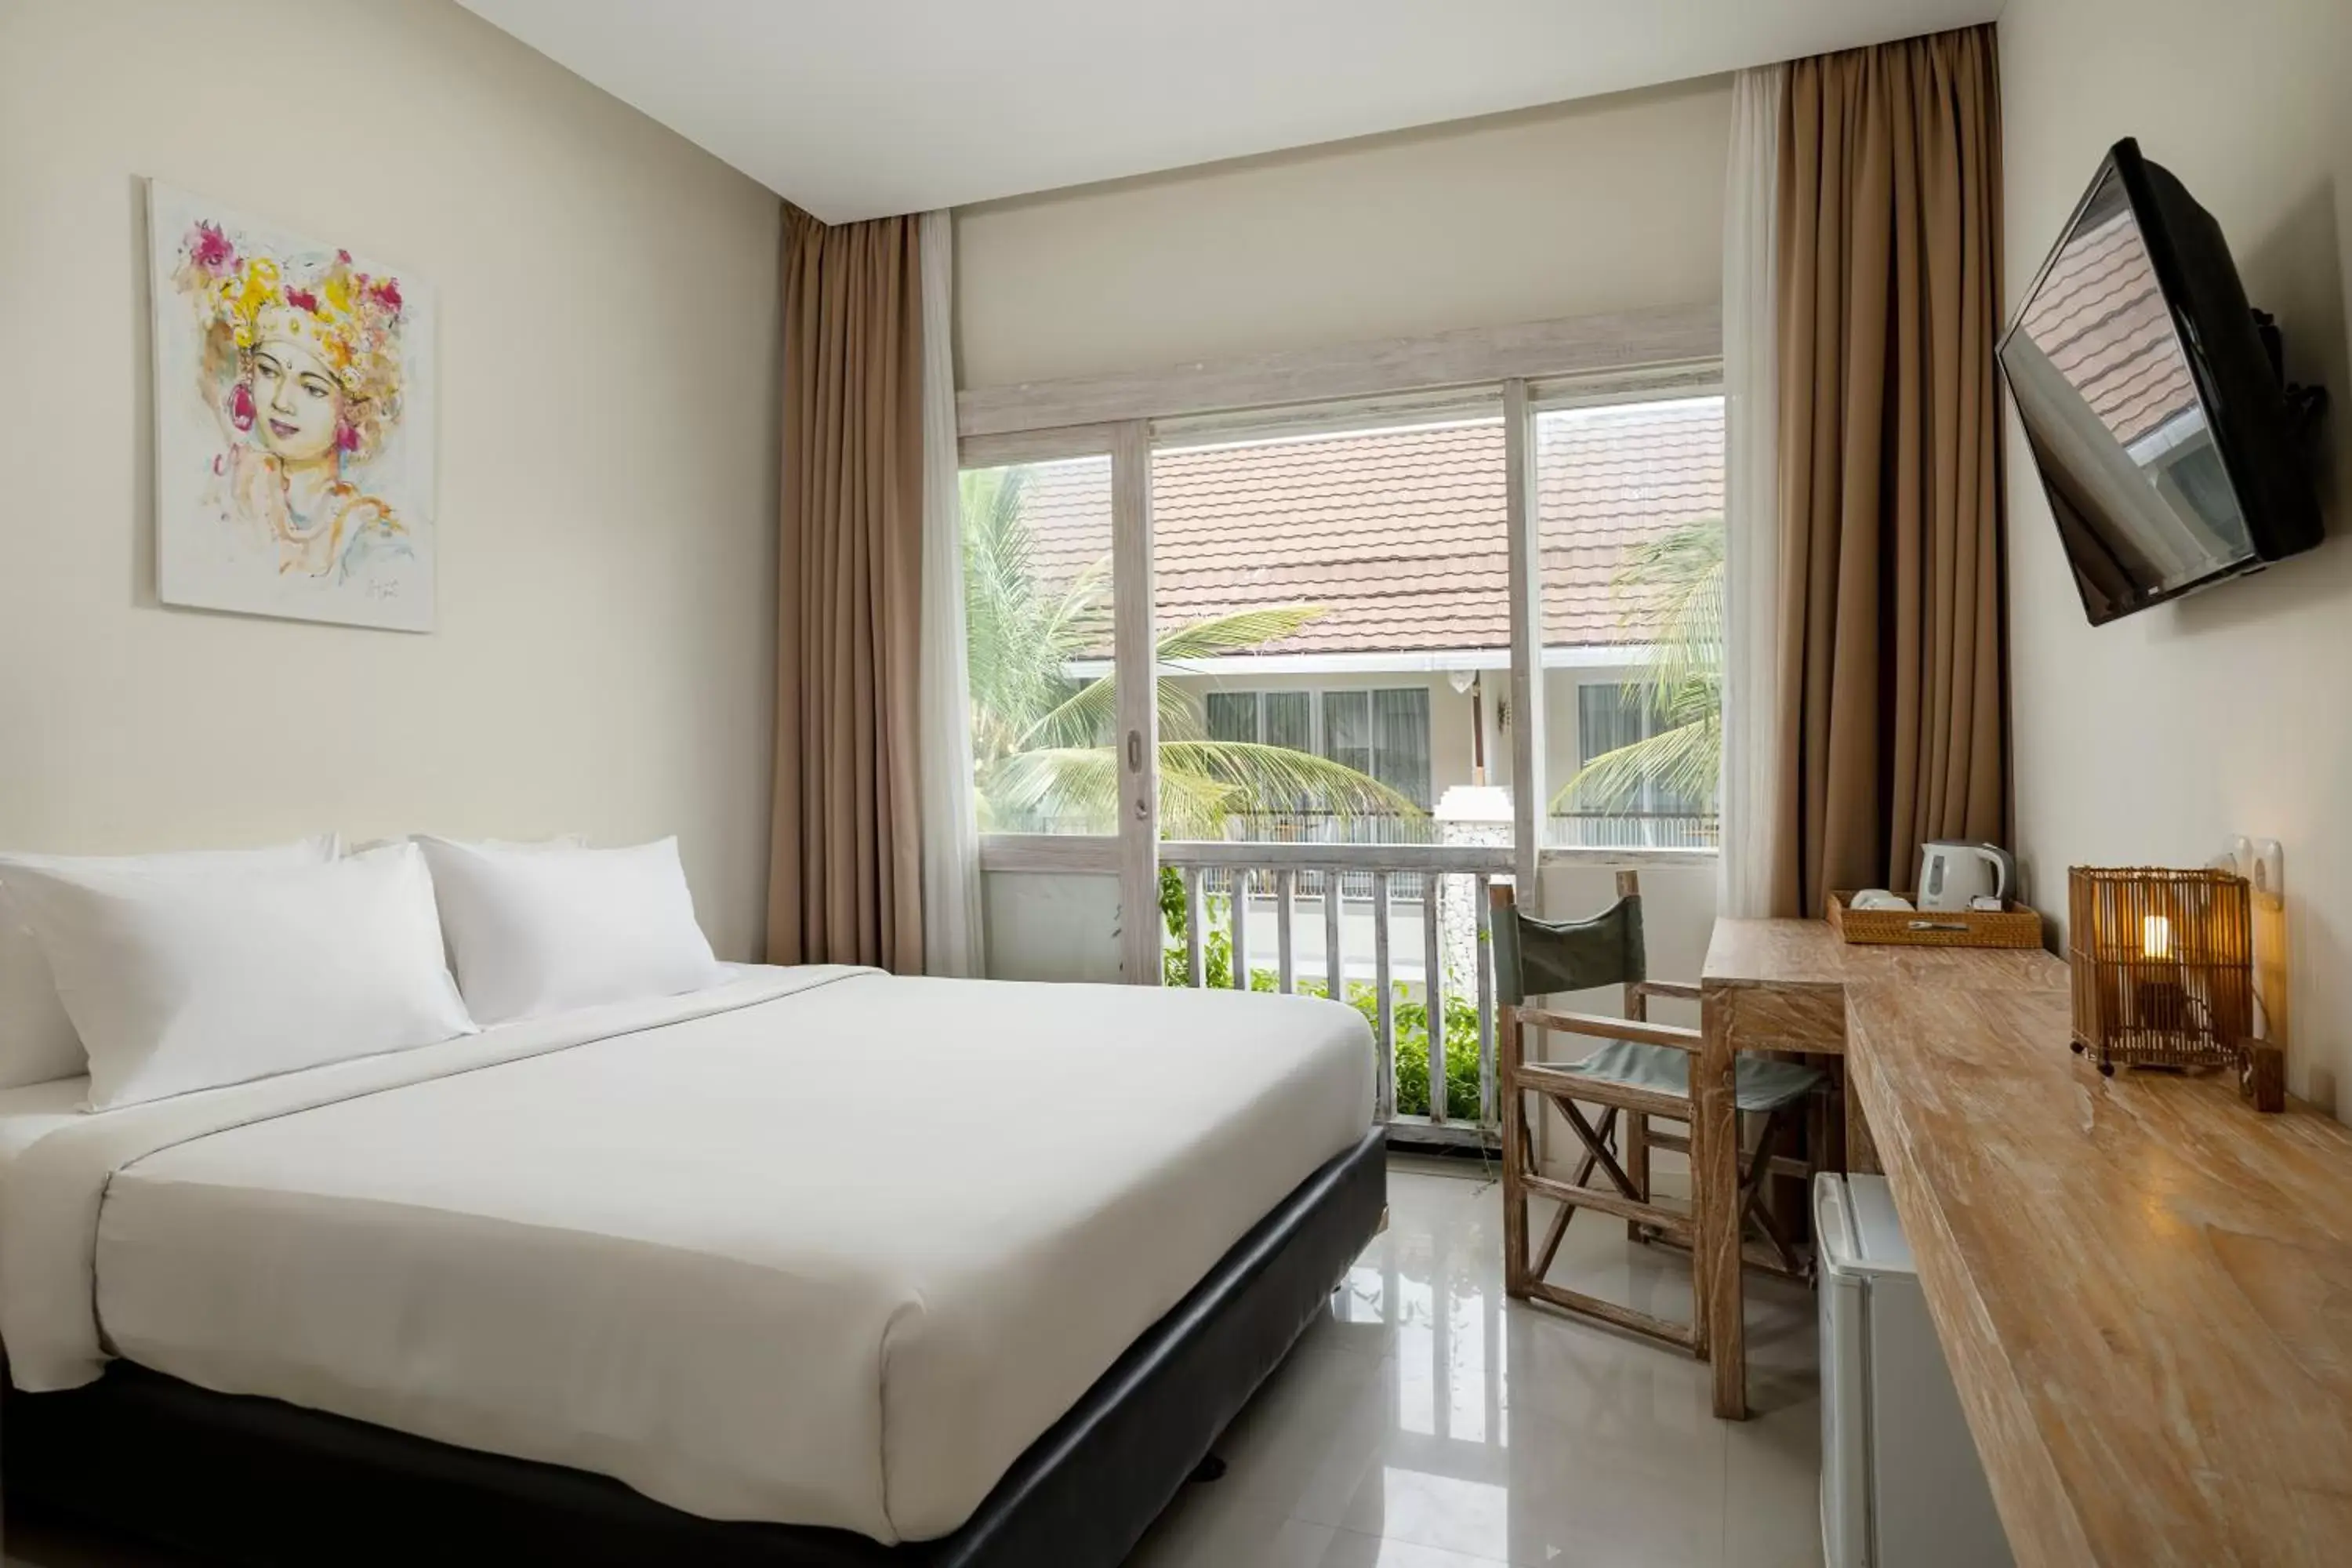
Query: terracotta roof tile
[
  {"x": 2101, "y": 320},
  {"x": 1399, "y": 534}
]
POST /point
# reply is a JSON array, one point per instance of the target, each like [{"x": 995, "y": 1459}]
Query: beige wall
[
  {"x": 2153, "y": 739},
  {"x": 1608, "y": 204},
  {"x": 607, "y": 416}
]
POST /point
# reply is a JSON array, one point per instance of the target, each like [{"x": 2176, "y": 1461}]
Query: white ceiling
[{"x": 860, "y": 108}]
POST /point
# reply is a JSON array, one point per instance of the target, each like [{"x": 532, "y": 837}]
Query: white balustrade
[{"x": 1363, "y": 890}]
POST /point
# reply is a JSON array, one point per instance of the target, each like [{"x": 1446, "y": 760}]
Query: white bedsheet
[
  {"x": 32, "y": 1112},
  {"x": 820, "y": 1247}
]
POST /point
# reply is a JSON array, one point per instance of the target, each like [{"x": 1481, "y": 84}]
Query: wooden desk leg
[{"x": 1714, "y": 1182}]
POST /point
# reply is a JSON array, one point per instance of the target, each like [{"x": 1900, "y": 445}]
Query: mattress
[{"x": 821, "y": 1246}]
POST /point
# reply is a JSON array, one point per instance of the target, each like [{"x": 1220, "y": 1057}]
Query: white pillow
[
  {"x": 38, "y": 1043},
  {"x": 561, "y": 843},
  {"x": 535, "y": 932},
  {"x": 187, "y": 978}
]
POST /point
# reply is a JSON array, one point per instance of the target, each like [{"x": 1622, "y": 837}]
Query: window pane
[
  {"x": 1290, "y": 719},
  {"x": 1607, "y": 718},
  {"x": 1232, "y": 715},
  {"x": 1037, "y": 616},
  {"x": 1401, "y": 734},
  {"x": 1630, "y": 510},
  {"x": 1348, "y": 729}
]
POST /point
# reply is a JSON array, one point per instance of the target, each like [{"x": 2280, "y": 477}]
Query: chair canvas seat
[{"x": 1763, "y": 1084}]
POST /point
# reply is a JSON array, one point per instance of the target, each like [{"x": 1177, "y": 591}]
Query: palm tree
[
  {"x": 1042, "y": 748},
  {"x": 1674, "y": 587}
]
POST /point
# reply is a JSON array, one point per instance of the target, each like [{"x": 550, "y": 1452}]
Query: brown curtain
[
  {"x": 844, "y": 870},
  {"x": 1893, "y": 726}
]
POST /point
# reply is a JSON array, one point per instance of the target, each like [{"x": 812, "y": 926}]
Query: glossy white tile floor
[{"x": 1430, "y": 1423}]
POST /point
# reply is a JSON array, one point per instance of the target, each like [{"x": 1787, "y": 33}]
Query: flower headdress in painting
[{"x": 350, "y": 320}]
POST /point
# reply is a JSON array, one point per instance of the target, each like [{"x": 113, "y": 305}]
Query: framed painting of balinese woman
[{"x": 294, "y": 432}]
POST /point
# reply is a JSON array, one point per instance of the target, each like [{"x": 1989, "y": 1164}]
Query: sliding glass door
[
  {"x": 1057, "y": 615},
  {"x": 1311, "y": 666}
]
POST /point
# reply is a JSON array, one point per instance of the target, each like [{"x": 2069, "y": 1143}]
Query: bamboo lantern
[{"x": 2163, "y": 965}]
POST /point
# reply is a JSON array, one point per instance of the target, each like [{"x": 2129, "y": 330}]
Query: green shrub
[
  {"x": 1411, "y": 1017},
  {"x": 1413, "y": 1054}
]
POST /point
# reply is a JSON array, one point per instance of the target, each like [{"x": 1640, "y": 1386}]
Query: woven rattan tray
[{"x": 2014, "y": 926}]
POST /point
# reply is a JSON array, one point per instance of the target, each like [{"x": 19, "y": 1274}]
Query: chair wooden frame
[{"x": 1627, "y": 1194}]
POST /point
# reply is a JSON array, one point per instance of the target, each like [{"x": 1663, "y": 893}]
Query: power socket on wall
[{"x": 2262, "y": 863}]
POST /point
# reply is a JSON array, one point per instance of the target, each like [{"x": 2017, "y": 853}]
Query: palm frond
[
  {"x": 1081, "y": 718},
  {"x": 1673, "y": 586},
  {"x": 1016, "y": 639},
  {"x": 1183, "y": 715},
  {"x": 1086, "y": 597},
  {"x": 1090, "y": 712},
  {"x": 1682, "y": 761},
  {"x": 1073, "y": 789},
  {"x": 1236, "y": 633},
  {"x": 1202, "y": 783},
  {"x": 1192, "y": 806},
  {"x": 1276, "y": 778}
]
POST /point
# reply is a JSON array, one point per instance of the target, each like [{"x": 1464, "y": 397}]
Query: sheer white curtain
[
  {"x": 951, "y": 914},
  {"x": 1751, "y": 490}
]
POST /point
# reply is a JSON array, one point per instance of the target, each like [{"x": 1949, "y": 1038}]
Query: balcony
[
  {"x": 1408, "y": 951},
  {"x": 1376, "y": 910}
]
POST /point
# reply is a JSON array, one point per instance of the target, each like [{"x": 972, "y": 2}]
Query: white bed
[{"x": 819, "y": 1246}]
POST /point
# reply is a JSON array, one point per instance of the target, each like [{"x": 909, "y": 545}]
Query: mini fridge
[{"x": 1901, "y": 1483}]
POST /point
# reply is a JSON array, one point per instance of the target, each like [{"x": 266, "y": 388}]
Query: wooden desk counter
[
  {"x": 2144, "y": 1289},
  {"x": 1799, "y": 958},
  {"x": 1781, "y": 986}
]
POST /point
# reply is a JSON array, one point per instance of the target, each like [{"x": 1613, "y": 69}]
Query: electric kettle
[{"x": 1952, "y": 873}]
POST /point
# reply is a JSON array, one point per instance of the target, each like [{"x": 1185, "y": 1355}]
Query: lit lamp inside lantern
[
  {"x": 2162, "y": 1003},
  {"x": 2163, "y": 965}
]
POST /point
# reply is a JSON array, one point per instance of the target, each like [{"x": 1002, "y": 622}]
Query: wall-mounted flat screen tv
[{"x": 2152, "y": 396}]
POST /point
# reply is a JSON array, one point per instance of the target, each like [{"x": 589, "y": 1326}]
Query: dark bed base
[{"x": 256, "y": 1481}]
